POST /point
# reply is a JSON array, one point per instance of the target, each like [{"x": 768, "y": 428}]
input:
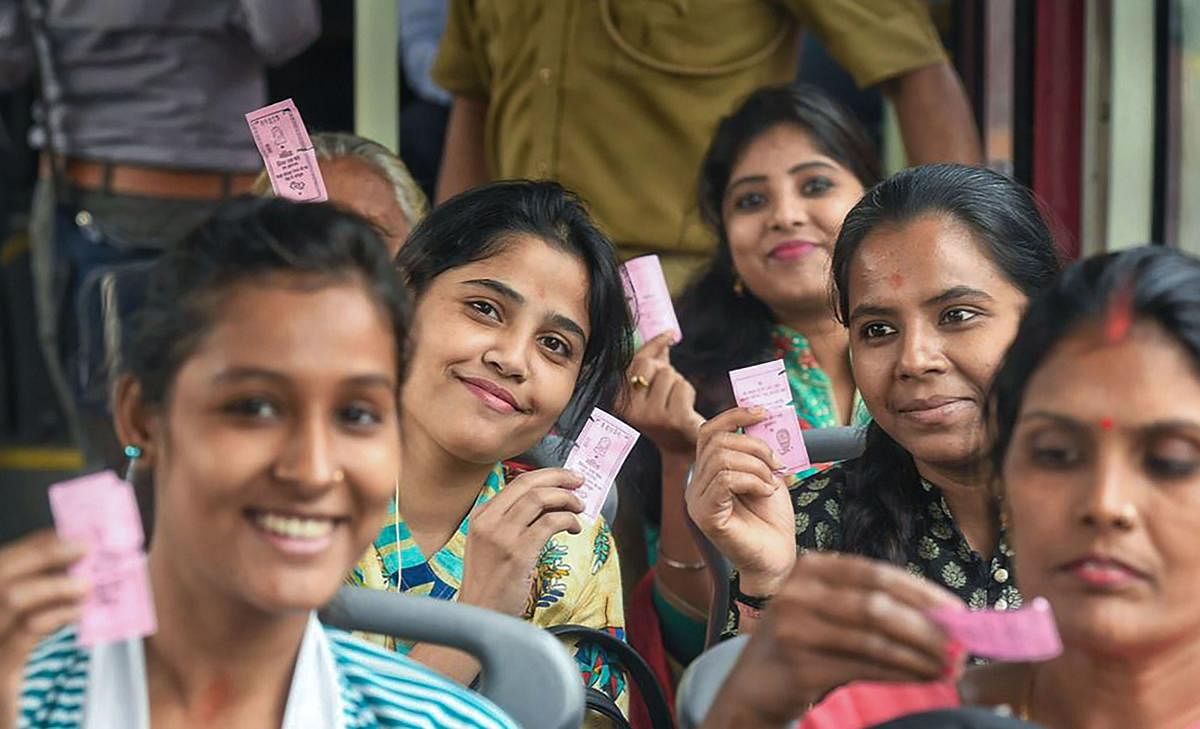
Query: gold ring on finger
[{"x": 639, "y": 382}]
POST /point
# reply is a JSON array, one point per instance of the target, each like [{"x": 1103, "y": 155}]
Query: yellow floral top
[{"x": 576, "y": 581}]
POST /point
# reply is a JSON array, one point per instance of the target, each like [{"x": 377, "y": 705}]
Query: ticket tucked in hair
[
  {"x": 650, "y": 299},
  {"x": 1013, "y": 636},
  {"x": 766, "y": 386},
  {"x": 287, "y": 152},
  {"x": 598, "y": 454},
  {"x": 100, "y": 512}
]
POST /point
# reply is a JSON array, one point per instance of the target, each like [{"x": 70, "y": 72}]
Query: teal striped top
[{"x": 378, "y": 689}]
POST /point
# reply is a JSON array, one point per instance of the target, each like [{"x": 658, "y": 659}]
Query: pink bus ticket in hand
[
  {"x": 100, "y": 512},
  {"x": 287, "y": 152},
  {"x": 650, "y": 299},
  {"x": 598, "y": 454},
  {"x": 766, "y": 386},
  {"x": 1013, "y": 636}
]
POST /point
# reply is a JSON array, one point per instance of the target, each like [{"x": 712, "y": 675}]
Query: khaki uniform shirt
[{"x": 618, "y": 99}]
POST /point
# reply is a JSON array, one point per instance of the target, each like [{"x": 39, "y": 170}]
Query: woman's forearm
[
  {"x": 451, "y": 663},
  {"x": 679, "y": 557}
]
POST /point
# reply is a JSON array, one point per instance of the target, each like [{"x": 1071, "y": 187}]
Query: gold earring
[{"x": 739, "y": 289}]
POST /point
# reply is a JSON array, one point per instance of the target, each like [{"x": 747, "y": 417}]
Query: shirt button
[
  {"x": 1002, "y": 604},
  {"x": 1001, "y": 575},
  {"x": 542, "y": 169},
  {"x": 545, "y": 74}
]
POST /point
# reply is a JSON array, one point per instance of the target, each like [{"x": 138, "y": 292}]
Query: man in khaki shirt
[{"x": 618, "y": 99}]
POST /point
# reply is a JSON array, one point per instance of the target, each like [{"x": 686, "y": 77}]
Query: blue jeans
[{"x": 91, "y": 251}]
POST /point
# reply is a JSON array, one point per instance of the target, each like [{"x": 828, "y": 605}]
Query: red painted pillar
[{"x": 1058, "y": 85}]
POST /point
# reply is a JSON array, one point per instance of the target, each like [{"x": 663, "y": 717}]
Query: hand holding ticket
[
  {"x": 100, "y": 511},
  {"x": 1028, "y": 634},
  {"x": 598, "y": 454},
  {"x": 766, "y": 386},
  {"x": 650, "y": 299},
  {"x": 287, "y": 152}
]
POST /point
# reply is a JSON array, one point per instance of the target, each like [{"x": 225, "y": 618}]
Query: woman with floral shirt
[
  {"x": 519, "y": 309},
  {"x": 932, "y": 272}
]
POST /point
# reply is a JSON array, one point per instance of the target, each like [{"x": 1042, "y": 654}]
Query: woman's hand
[
  {"x": 659, "y": 402},
  {"x": 741, "y": 504},
  {"x": 836, "y": 619},
  {"x": 507, "y": 534},
  {"x": 37, "y": 597}
]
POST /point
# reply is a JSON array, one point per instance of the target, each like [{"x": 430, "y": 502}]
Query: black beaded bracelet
[{"x": 752, "y": 601}]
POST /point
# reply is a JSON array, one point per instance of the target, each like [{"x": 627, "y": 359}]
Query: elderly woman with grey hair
[{"x": 366, "y": 178}]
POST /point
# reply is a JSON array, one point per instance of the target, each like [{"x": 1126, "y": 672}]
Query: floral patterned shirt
[
  {"x": 940, "y": 552},
  {"x": 576, "y": 581}
]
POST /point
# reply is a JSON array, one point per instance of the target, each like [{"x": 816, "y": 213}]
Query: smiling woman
[
  {"x": 932, "y": 271},
  {"x": 520, "y": 311},
  {"x": 260, "y": 389}
]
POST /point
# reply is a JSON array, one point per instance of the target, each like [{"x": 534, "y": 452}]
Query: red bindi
[
  {"x": 1106, "y": 423},
  {"x": 896, "y": 280}
]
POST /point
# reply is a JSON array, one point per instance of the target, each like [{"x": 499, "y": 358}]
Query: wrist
[{"x": 758, "y": 587}]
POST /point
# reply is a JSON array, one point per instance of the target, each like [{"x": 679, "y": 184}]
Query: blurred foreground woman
[{"x": 259, "y": 392}]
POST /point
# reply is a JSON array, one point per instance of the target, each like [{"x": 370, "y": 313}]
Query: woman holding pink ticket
[
  {"x": 258, "y": 394},
  {"x": 520, "y": 309},
  {"x": 781, "y": 173},
  {"x": 932, "y": 271},
  {"x": 1097, "y": 440}
]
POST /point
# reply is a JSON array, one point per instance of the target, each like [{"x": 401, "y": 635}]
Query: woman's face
[
  {"x": 278, "y": 448},
  {"x": 499, "y": 345},
  {"x": 782, "y": 212},
  {"x": 1102, "y": 489},
  {"x": 930, "y": 318},
  {"x": 355, "y": 186}
]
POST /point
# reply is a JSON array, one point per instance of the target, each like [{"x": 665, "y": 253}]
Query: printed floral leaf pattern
[
  {"x": 601, "y": 548},
  {"x": 600, "y": 670},
  {"x": 953, "y": 576},
  {"x": 549, "y": 574},
  {"x": 928, "y": 549},
  {"x": 805, "y": 498}
]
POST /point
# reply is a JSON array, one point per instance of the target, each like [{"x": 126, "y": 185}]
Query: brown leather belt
[{"x": 124, "y": 179}]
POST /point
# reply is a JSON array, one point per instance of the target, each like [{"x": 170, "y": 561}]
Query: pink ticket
[
  {"x": 766, "y": 386},
  {"x": 287, "y": 152},
  {"x": 650, "y": 299},
  {"x": 100, "y": 511},
  {"x": 781, "y": 431},
  {"x": 598, "y": 454},
  {"x": 1028, "y": 634}
]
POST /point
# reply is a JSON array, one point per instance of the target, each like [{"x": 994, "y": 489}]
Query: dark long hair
[
  {"x": 479, "y": 223},
  {"x": 722, "y": 330},
  {"x": 1150, "y": 283},
  {"x": 879, "y": 516},
  {"x": 249, "y": 239}
]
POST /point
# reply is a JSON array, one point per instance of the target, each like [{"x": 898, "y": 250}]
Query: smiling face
[
  {"x": 499, "y": 345},
  {"x": 274, "y": 461},
  {"x": 930, "y": 318},
  {"x": 782, "y": 212},
  {"x": 1102, "y": 489}
]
